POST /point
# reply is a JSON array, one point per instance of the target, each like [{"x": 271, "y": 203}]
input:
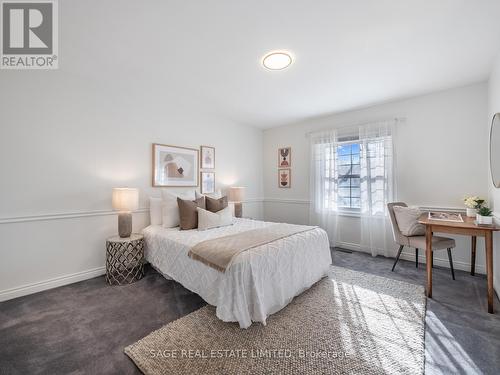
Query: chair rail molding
[
  {"x": 287, "y": 201},
  {"x": 80, "y": 214},
  {"x": 61, "y": 216},
  {"x": 424, "y": 208}
]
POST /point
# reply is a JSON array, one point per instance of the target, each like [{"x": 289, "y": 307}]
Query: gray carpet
[
  {"x": 83, "y": 328},
  {"x": 348, "y": 323}
]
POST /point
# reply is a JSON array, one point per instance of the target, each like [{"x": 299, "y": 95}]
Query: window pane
[
  {"x": 344, "y": 192},
  {"x": 344, "y": 159},
  {"x": 344, "y": 169},
  {"x": 356, "y": 169},
  {"x": 347, "y": 174},
  {"x": 344, "y": 182},
  {"x": 355, "y": 158},
  {"x": 344, "y": 202},
  {"x": 344, "y": 150},
  {"x": 355, "y": 203}
]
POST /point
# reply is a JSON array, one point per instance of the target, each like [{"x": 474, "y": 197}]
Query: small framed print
[
  {"x": 207, "y": 182},
  {"x": 284, "y": 178},
  {"x": 207, "y": 157},
  {"x": 284, "y": 157},
  {"x": 175, "y": 166}
]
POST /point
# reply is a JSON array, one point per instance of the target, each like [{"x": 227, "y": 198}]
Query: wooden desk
[{"x": 467, "y": 228}]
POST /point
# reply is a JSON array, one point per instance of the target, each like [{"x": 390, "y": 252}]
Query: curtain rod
[{"x": 396, "y": 119}]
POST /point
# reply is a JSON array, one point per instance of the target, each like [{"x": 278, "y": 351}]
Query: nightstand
[{"x": 124, "y": 259}]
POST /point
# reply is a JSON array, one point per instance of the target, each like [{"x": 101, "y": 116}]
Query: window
[
  {"x": 342, "y": 175},
  {"x": 349, "y": 192},
  {"x": 353, "y": 174}
]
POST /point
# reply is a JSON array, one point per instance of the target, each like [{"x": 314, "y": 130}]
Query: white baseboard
[
  {"x": 410, "y": 256},
  {"x": 349, "y": 246},
  {"x": 51, "y": 283}
]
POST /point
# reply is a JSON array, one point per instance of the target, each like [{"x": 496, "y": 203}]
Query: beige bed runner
[{"x": 219, "y": 252}]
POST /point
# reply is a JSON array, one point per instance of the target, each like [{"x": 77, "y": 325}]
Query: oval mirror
[{"x": 495, "y": 150}]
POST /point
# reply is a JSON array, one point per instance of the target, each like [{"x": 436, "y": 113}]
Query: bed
[{"x": 259, "y": 282}]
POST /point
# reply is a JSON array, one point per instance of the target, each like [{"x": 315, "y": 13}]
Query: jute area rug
[{"x": 348, "y": 323}]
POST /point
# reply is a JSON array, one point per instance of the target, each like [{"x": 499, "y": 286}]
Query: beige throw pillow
[
  {"x": 407, "y": 219},
  {"x": 208, "y": 220},
  {"x": 188, "y": 214}
]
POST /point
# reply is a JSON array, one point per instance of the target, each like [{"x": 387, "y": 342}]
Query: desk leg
[
  {"x": 428, "y": 257},
  {"x": 489, "y": 268},
  {"x": 473, "y": 256}
]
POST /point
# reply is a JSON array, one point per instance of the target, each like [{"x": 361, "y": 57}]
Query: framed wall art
[
  {"x": 175, "y": 166},
  {"x": 284, "y": 178},
  {"x": 284, "y": 157},
  {"x": 207, "y": 157},
  {"x": 207, "y": 182}
]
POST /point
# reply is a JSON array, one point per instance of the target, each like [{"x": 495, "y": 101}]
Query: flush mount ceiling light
[{"x": 277, "y": 60}]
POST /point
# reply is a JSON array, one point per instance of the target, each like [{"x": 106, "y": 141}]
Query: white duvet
[{"x": 260, "y": 281}]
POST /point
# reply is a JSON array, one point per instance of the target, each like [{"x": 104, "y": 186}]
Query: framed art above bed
[
  {"x": 207, "y": 182},
  {"x": 207, "y": 157},
  {"x": 175, "y": 166}
]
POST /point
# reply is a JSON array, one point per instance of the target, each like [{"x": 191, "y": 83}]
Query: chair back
[{"x": 399, "y": 238}]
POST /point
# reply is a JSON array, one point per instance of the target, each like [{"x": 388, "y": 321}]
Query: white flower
[{"x": 474, "y": 202}]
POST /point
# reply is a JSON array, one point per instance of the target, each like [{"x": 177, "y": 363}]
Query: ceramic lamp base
[
  {"x": 124, "y": 224},
  {"x": 238, "y": 209}
]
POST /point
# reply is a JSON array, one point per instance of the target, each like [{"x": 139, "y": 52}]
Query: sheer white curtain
[
  {"x": 352, "y": 174},
  {"x": 322, "y": 186},
  {"x": 377, "y": 185}
]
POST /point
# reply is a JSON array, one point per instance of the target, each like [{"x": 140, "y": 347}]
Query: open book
[{"x": 446, "y": 216}]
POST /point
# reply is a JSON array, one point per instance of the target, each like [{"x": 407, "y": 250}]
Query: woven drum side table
[{"x": 124, "y": 259}]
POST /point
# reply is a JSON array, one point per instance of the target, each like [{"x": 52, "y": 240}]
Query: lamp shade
[
  {"x": 125, "y": 199},
  {"x": 236, "y": 194}
]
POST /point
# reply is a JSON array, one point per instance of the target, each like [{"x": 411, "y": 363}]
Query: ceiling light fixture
[{"x": 277, "y": 60}]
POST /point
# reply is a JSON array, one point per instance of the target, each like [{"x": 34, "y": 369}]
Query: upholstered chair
[{"x": 418, "y": 242}]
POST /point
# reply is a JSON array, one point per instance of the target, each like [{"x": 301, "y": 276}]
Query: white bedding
[{"x": 260, "y": 281}]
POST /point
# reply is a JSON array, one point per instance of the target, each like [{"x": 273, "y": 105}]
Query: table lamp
[
  {"x": 236, "y": 195},
  {"x": 125, "y": 200}
]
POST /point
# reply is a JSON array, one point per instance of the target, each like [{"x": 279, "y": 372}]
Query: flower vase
[{"x": 471, "y": 212}]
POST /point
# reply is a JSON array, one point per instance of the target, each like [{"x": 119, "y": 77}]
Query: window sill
[
  {"x": 340, "y": 213},
  {"x": 351, "y": 214},
  {"x": 348, "y": 213}
]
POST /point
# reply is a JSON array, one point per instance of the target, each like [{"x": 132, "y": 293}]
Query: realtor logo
[{"x": 29, "y": 35}]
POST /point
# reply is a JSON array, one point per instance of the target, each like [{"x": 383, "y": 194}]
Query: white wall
[
  {"x": 68, "y": 136},
  {"x": 440, "y": 152},
  {"x": 494, "y": 193},
  {"x": 64, "y": 165}
]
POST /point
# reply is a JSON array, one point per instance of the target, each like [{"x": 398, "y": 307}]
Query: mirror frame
[{"x": 495, "y": 184}]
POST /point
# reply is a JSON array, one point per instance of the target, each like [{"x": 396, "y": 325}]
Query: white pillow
[
  {"x": 170, "y": 209},
  {"x": 216, "y": 195},
  {"x": 155, "y": 211},
  {"x": 407, "y": 219},
  {"x": 208, "y": 220}
]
